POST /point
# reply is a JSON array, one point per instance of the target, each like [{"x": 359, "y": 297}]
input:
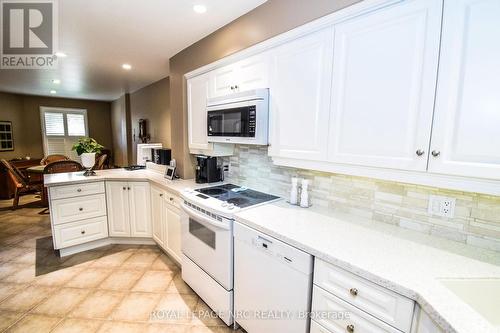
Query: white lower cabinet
[
  {"x": 425, "y": 324},
  {"x": 344, "y": 302},
  {"x": 80, "y": 232},
  {"x": 129, "y": 209},
  {"x": 77, "y": 214},
  {"x": 166, "y": 221}
]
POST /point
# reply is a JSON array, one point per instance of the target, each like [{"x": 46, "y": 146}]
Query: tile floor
[{"x": 117, "y": 288}]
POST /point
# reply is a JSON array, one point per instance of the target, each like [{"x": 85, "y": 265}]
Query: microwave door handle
[{"x": 204, "y": 219}]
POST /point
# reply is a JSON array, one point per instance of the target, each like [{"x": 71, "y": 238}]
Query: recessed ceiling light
[
  {"x": 56, "y": 81},
  {"x": 53, "y": 92},
  {"x": 60, "y": 54},
  {"x": 127, "y": 67},
  {"x": 200, "y": 9}
]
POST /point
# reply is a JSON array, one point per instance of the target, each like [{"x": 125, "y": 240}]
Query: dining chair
[
  {"x": 53, "y": 158},
  {"x": 101, "y": 162},
  {"x": 21, "y": 182},
  {"x": 62, "y": 166}
]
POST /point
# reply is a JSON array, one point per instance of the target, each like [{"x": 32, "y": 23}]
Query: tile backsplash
[{"x": 476, "y": 220}]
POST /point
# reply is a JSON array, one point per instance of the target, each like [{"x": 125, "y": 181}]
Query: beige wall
[
  {"x": 268, "y": 20},
  {"x": 120, "y": 125},
  {"x": 151, "y": 103},
  {"x": 24, "y": 112}
]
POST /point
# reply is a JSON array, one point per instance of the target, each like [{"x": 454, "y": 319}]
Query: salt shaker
[
  {"x": 304, "y": 195},
  {"x": 294, "y": 191}
]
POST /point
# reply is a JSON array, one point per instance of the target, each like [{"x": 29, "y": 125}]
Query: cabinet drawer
[
  {"x": 79, "y": 208},
  {"x": 173, "y": 199},
  {"x": 317, "y": 328},
  {"x": 77, "y": 190},
  {"x": 338, "y": 316},
  {"x": 80, "y": 232},
  {"x": 386, "y": 305}
]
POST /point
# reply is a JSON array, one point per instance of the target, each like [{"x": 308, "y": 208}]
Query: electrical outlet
[
  {"x": 226, "y": 167},
  {"x": 442, "y": 206}
]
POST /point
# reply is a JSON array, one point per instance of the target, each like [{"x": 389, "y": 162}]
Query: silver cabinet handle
[
  {"x": 436, "y": 153},
  {"x": 350, "y": 328},
  {"x": 420, "y": 152},
  {"x": 353, "y": 291}
]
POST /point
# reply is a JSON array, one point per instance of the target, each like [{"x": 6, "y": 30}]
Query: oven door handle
[{"x": 202, "y": 218}]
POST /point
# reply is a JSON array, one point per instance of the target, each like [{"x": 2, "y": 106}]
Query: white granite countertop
[
  {"x": 154, "y": 177},
  {"x": 404, "y": 261}
]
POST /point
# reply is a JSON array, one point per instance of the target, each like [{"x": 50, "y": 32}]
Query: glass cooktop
[{"x": 239, "y": 196}]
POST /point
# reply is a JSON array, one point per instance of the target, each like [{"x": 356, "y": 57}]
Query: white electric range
[{"x": 207, "y": 241}]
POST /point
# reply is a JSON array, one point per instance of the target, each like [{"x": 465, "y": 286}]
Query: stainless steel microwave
[{"x": 239, "y": 118}]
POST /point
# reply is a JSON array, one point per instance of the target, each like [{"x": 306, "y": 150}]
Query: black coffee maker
[{"x": 207, "y": 170}]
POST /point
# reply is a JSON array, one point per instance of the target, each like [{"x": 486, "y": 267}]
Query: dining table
[{"x": 36, "y": 173}]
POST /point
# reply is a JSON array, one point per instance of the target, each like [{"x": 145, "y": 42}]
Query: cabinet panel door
[
  {"x": 197, "y": 94},
  {"x": 222, "y": 80},
  {"x": 118, "y": 209},
  {"x": 467, "y": 117},
  {"x": 174, "y": 232},
  {"x": 300, "y": 96},
  {"x": 157, "y": 198},
  {"x": 140, "y": 209},
  {"x": 252, "y": 73},
  {"x": 384, "y": 79}
]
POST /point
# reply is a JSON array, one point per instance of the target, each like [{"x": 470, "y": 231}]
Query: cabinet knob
[
  {"x": 161, "y": 194},
  {"x": 171, "y": 199},
  {"x": 128, "y": 188},
  {"x": 350, "y": 328},
  {"x": 80, "y": 209},
  {"x": 82, "y": 232},
  {"x": 232, "y": 87},
  {"x": 124, "y": 188},
  {"x": 420, "y": 152},
  {"x": 353, "y": 291},
  {"x": 436, "y": 153},
  {"x": 79, "y": 190},
  {"x": 235, "y": 87}
]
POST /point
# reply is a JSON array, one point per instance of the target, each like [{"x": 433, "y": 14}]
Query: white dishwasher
[{"x": 272, "y": 284}]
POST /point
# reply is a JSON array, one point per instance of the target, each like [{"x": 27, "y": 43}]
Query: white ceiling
[{"x": 98, "y": 36}]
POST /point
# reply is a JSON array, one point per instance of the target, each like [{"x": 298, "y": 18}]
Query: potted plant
[{"x": 86, "y": 148}]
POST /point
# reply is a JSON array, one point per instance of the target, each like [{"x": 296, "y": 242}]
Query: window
[
  {"x": 6, "y": 137},
  {"x": 61, "y": 128}
]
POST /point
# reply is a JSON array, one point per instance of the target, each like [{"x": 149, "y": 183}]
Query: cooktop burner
[{"x": 236, "y": 195}]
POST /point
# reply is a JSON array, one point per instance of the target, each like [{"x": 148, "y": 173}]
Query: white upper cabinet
[
  {"x": 300, "y": 87},
  {"x": 466, "y": 132},
  {"x": 384, "y": 79},
  {"x": 250, "y": 73},
  {"x": 197, "y": 94},
  {"x": 222, "y": 81}
]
